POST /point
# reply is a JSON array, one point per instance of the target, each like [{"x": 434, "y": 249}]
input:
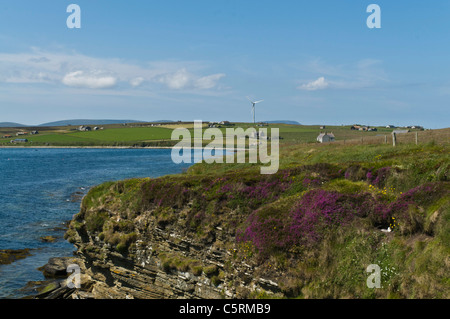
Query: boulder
[{"x": 57, "y": 266}]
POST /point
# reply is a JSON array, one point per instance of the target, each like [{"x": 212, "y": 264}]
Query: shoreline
[
  {"x": 90, "y": 147},
  {"x": 115, "y": 147}
]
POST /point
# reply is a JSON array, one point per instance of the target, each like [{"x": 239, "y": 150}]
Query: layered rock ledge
[{"x": 127, "y": 252}]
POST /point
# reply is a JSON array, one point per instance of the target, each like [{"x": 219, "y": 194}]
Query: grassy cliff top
[{"x": 314, "y": 226}]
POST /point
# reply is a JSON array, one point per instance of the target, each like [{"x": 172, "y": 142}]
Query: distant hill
[
  {"x": 78, "y": 122},
  {"x": 11, "y": 124},
  {"x": 283, "y": 122}
]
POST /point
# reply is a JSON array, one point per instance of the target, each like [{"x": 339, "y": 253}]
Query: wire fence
[{"x": 441, "y": 136}]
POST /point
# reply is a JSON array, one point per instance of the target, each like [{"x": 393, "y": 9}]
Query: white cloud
[
  {"x": 29, "y": 77},
  {"x": 318, "y": 84},
  {"x": 92, "y": 80},
  {"x": 77, "y": 70},
  {"x": 208, "y": 82},
  {"x": 137, "y": 81},
  {"x": 182, "y": 79},
  {"x": 178, "y": 80}
]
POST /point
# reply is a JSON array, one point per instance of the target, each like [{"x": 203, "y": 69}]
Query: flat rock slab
[
  {"x": 57, "y": 266},
  {"x": 8, "y": 256},
  {"x": 48, "y": 239}
]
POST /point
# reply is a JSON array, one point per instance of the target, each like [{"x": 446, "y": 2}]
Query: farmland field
[{"x": 145, "y": 135}]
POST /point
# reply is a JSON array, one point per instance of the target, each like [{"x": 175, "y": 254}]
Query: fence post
[
  {"x": 417, "y": 138},
  {"x": 385, "y": 139},
  {"x": 394, "y": 139}
]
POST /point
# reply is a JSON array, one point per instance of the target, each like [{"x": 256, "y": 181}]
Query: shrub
[
  {"x": 305, "y": 222},
  {"x": 355, "y": 173},
  {"x": 211, "y": 270},
  {"x": 121, "y": 248},
  {"x": 319, "y": 211},
  {"x": 125, "y": 241},
  {"x": 215, "y": 280},
  {"x": 196, "y": 270},
  {"x": 95, "y": 221},
  {"x": 163, "y": 192},
  {"x": 379, "y": 177}
]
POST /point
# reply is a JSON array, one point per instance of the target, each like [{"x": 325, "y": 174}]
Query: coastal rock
[
  {"x": 162, "y": 263},
  {"x": 8, "y": 256},
  {"x": 48, "y": 239},
  {"x": 76, "y": 196},
  {"x": 56, "y": 290},
  {"x": 57, "y": 266}
]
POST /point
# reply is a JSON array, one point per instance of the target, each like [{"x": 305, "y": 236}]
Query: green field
[
  {"x": 144, "y": 135},
  {"x": 107, "y": 137}
]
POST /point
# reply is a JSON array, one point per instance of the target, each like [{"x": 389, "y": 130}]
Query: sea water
[{"x": 41, "y": 189}]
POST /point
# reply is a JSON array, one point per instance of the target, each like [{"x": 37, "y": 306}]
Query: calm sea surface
[{"x": 40, "y": 189}]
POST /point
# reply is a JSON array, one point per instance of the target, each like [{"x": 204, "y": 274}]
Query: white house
[
  {"x": 325, "y": 137},
  {"x": 83, "y": 128}
]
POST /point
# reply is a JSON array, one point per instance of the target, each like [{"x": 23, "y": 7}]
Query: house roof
[{"x": 323, "y": 134}]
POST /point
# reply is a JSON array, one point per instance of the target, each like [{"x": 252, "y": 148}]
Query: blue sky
[{"x": 315, "y": 62}]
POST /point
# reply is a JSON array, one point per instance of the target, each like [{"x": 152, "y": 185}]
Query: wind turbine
[{"x": 253, "y": 108}]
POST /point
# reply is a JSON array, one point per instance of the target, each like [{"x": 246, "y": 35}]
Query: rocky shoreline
[
  {"x": 55, "y": 272},
  {"x": 55, "y": 285}
]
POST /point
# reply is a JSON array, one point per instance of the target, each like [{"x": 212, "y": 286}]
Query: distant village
[
  {"x": 21, "y": 133},
  {"x": 81, "y": 128}
]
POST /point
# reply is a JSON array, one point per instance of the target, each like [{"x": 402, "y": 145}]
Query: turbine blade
[{"x": 258, "y": 101}]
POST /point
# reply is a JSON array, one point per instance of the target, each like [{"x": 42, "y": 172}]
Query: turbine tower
[{"x": 253, "y": 108}]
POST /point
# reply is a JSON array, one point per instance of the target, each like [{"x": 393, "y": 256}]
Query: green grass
[
  {"x": 101, "y": 137},
  {"x": 116, "y": 135},
  {"x": 125, "y": 134}
]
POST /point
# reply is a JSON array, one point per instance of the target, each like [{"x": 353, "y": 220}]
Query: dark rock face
[
  {"x": 161, "y": 262},
  {"x": 144, "y": 274}
]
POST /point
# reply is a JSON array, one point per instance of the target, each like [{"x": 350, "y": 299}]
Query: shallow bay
[{"x": 41, "y": 189}]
